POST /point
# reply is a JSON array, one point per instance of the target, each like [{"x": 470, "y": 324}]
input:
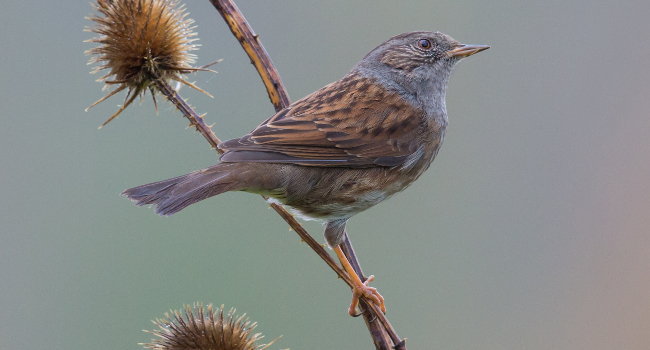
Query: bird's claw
[{"x": 370, "y": 293}]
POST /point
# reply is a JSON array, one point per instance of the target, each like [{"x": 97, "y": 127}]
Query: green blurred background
[{"x": 530, "y": 231}]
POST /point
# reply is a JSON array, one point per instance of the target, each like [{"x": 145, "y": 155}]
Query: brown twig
[
  {"x": 311, "y": 242},
  {"x": 382, "y": 332},
  {"x": 195, "y": 119},
  {"x": 250, "y": 42}
]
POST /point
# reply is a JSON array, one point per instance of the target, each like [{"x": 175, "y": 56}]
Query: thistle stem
[
  {"x": 250, "y": 42},
  {"x": 195, "y": 119}
]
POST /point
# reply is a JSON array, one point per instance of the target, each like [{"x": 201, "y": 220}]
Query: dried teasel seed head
[
  {"x": 139, "y": 42},
  {"x": 204, "y": 328}
]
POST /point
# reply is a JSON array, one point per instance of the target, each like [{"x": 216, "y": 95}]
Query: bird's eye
[{"x": 424, "y": 44}]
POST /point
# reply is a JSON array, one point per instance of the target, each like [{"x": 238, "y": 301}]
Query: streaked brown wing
[{"x": 349, "y": 123}]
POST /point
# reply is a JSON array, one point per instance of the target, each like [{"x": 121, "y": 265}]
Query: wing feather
[{"x": 351, "y": 123}]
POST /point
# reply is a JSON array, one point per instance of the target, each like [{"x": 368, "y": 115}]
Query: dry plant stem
[
  {"x": 313, "y": 244},
  {"x": 256, "y": 52},
  {"x": 383, "y": 334},
  {"x": 195, "y": 119}
]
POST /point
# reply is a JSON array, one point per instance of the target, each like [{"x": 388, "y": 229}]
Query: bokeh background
[{"x": 530, "y": 231}]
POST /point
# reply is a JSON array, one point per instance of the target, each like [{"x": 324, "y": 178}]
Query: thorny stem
[
  {"x": 250, "y": 42},
  {"x": 195, "y": 119},
  {"x": 382, "y": 332}
]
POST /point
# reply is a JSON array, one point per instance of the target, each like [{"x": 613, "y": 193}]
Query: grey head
[{"x": 417, "y": 65}]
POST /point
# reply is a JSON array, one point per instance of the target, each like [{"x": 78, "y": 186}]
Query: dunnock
[{"x": 341, "y": 149}]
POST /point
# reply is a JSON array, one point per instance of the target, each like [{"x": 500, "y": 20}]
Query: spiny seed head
[
  {"x": 139, "y": 42},
  {"x": 203, "y": 328}
]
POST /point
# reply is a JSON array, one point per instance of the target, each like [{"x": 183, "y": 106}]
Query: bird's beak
[{"x": 462, "y": 51}]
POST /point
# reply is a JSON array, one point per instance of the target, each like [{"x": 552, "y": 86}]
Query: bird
[{"x": 341, "y": 149}]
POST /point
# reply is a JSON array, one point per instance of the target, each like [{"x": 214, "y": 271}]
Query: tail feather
[{"x": 172, "y": 195}]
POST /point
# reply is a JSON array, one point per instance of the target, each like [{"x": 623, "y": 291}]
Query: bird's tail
[{"x": 172, "y": 195}]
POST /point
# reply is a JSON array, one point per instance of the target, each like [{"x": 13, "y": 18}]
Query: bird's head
[{"x": 417, "y": 62}]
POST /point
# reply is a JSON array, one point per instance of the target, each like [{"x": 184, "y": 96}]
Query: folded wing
[{"x": 349, "y": 123}]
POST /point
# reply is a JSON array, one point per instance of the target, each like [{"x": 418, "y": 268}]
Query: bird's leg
[
  {"x": 359, "y": 288},
  {"x": 335, "y": 236}
]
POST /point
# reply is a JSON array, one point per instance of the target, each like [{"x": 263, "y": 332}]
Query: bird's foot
[
  {"x": 362, "y": 289},
  {"x": 359, "y": 289}
]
